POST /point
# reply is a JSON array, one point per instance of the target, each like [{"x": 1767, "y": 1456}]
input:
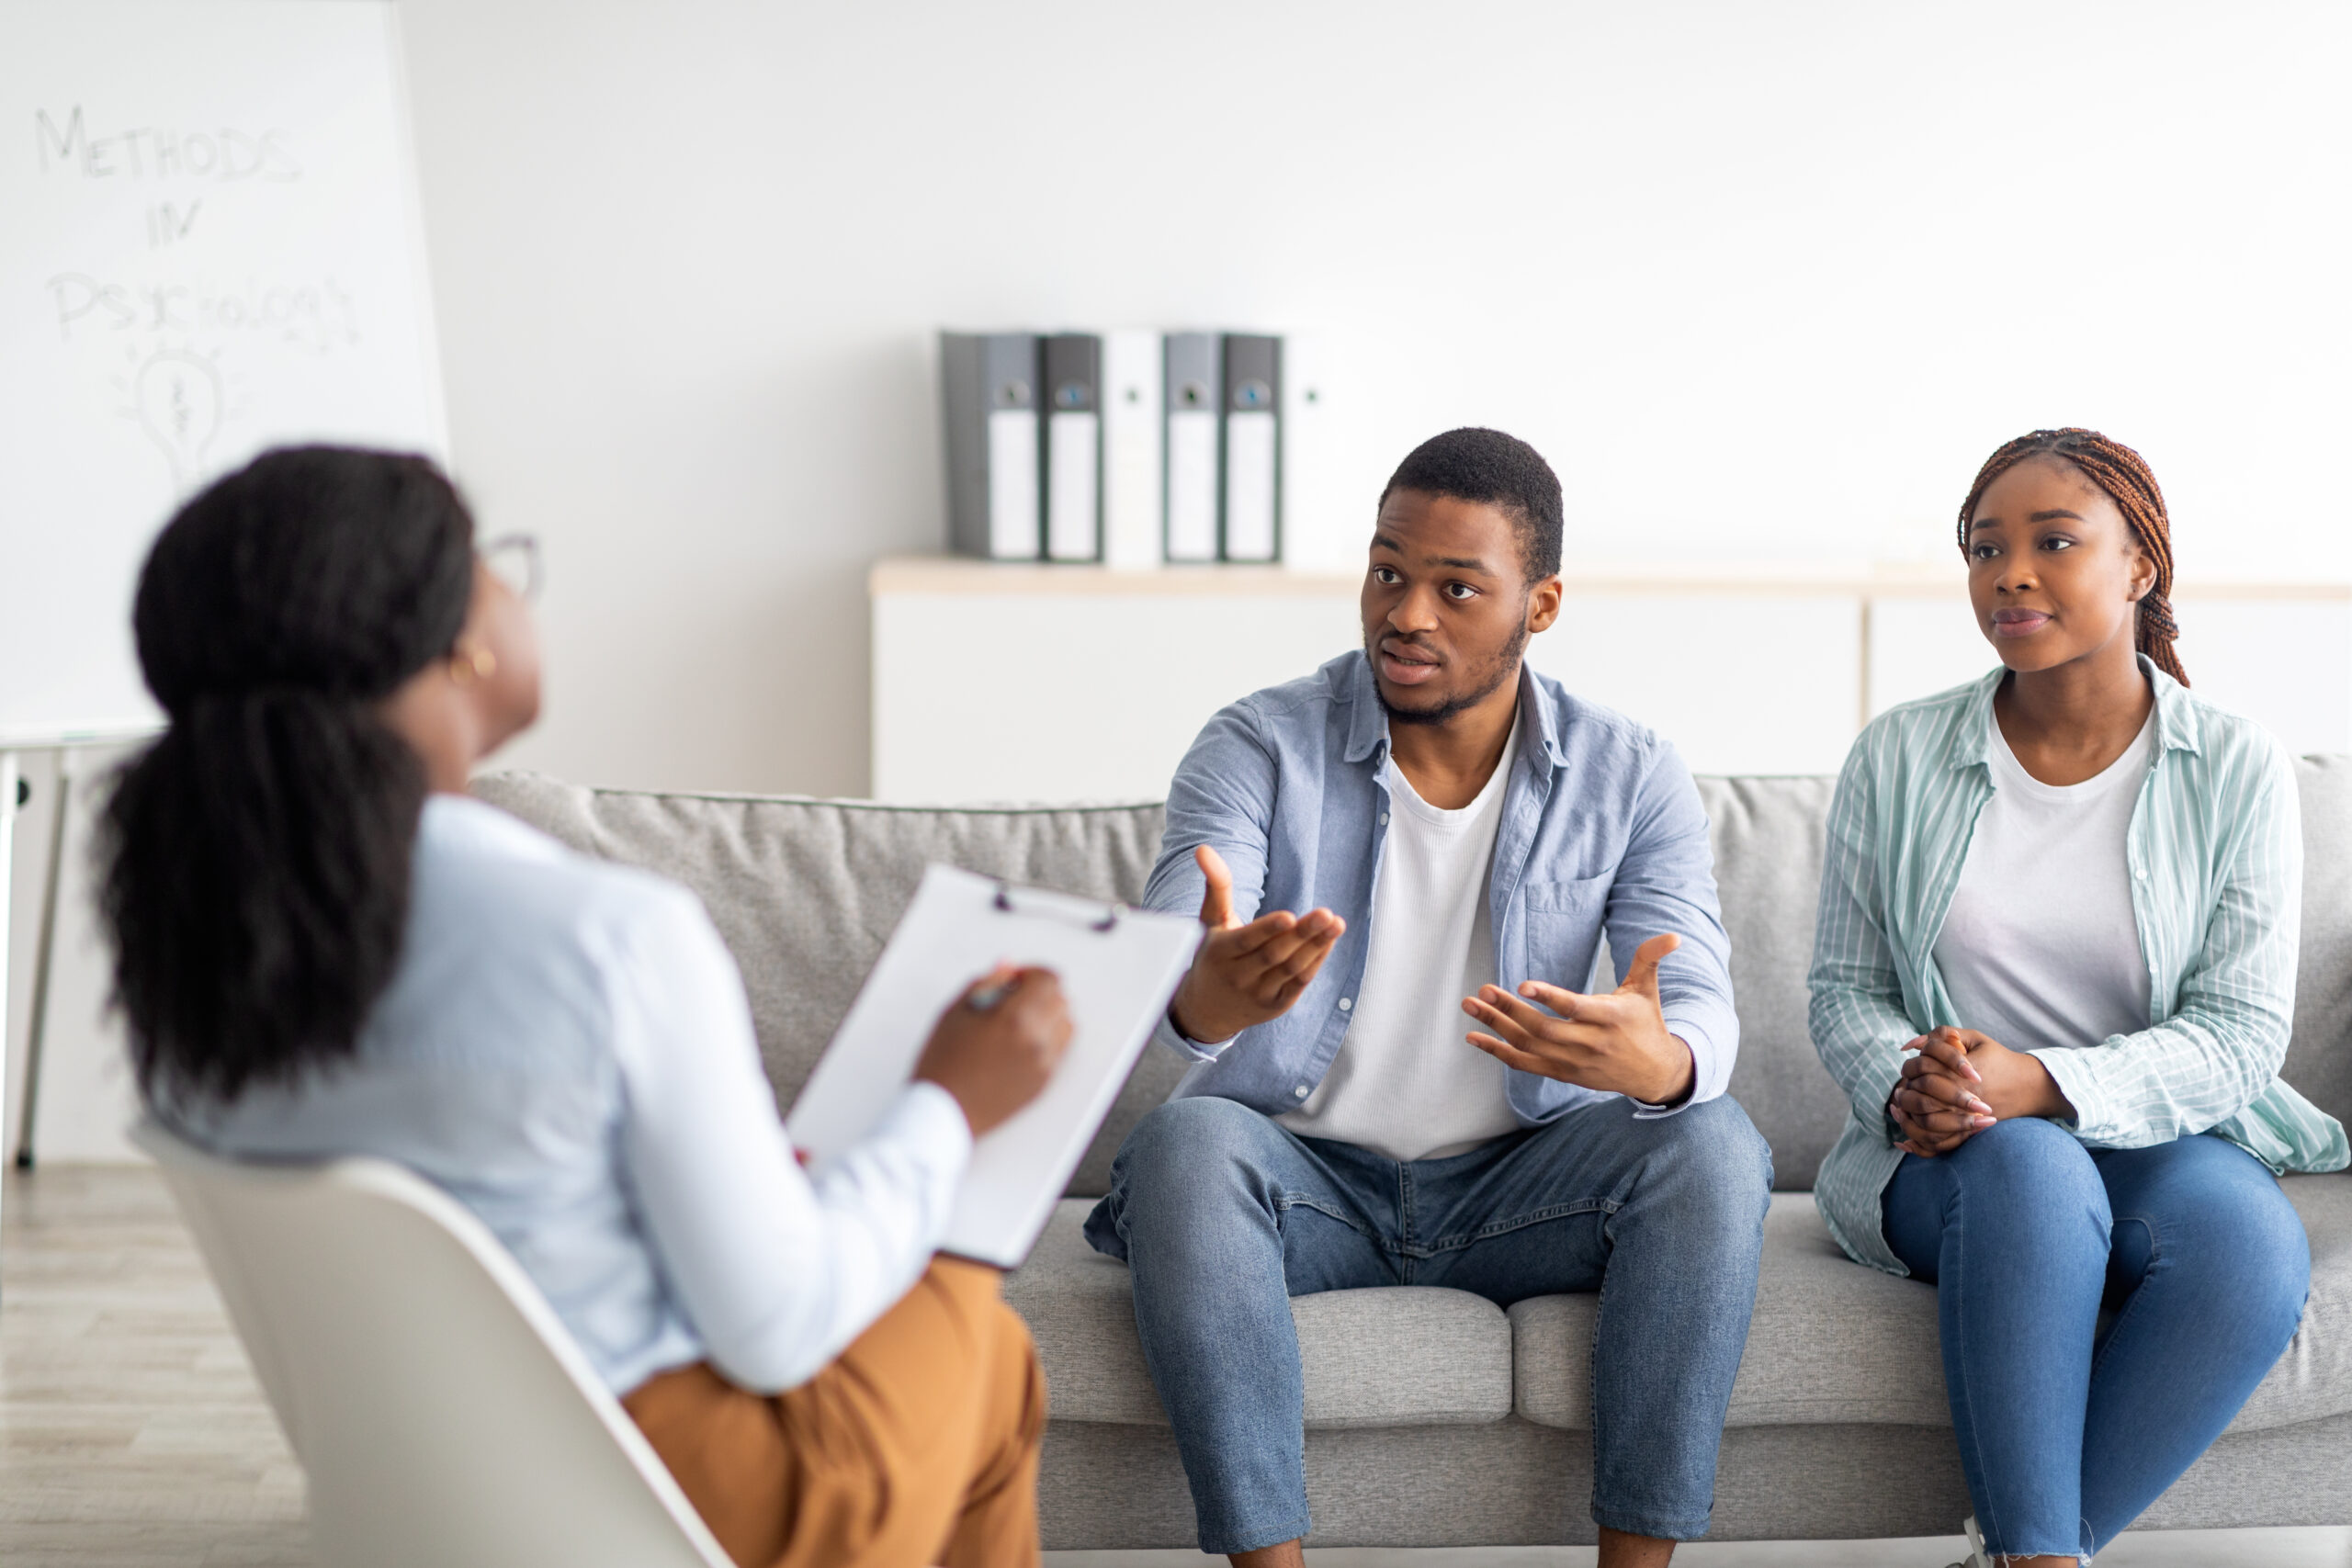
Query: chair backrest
[{"x": 442, "y": 1413}]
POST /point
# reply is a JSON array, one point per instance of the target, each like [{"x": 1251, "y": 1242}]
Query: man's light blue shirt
[{"x": 1601, "y": 833}]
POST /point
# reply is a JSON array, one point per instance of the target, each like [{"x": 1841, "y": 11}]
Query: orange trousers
[{"x": 917, "y": 1446}]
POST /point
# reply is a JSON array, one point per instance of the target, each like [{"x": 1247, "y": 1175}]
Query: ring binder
[{"x": 987, "y": 384}]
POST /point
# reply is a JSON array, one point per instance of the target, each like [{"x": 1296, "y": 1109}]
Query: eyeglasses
[{"x": 513, "y": 560}]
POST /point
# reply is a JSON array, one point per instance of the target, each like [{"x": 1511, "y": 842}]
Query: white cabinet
[{"x": 1017, "y": 682}]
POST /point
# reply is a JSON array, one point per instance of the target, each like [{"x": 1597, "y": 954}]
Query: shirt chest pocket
[{"x": 1564, "y": 928}]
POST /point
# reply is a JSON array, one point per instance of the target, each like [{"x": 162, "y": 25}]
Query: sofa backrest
[
  {"x": 2319, "y": 1057},
  {"x": 806, "y": 893},
  {"x": 1767, "y": 834}
]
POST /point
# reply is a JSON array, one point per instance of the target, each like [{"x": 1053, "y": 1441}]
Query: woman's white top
[
  {"x": 1407, "y": 1083},
  {"x": 2041, "y": 949},
  {"x": 566, "y": 1048}
]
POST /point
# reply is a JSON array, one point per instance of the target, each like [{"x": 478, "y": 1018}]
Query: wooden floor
[{"x": 132, "y": 1434}]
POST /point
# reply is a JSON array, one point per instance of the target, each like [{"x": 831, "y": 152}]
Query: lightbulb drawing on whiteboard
[{"x": 180, "y": 400}]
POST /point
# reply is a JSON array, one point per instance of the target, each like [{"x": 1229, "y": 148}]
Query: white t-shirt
[
  {"x": 1406, "y": 1083},
  {"x": 2040, "y": 948}
]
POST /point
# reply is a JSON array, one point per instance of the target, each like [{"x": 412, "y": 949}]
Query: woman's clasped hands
[{"x": 1959, "y": 1082}]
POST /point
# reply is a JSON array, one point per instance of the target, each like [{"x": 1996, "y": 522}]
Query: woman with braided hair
[
  {"x": 323, "y": 947},
  {"x": 2055, "y": 971}
]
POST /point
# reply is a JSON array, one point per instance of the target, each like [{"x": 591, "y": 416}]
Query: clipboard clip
[{"x": 1108, "y": 922}]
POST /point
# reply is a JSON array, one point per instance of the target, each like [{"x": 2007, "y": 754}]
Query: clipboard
[{"x": 1118, "y": 968}]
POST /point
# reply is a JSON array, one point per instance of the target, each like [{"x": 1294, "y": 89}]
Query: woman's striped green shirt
[{"x": 2216, "y": 855}]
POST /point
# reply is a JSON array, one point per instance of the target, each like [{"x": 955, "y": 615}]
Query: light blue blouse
[{"x": 567, "y": 1050}]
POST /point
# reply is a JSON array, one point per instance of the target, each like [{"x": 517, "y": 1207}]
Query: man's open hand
[
  {"x": 1245, "y": 976},
  {"x": 1617, "y": 1042}
]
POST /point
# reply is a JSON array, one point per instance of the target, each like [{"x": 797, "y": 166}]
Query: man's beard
[{"x": 1505, "y": 667}]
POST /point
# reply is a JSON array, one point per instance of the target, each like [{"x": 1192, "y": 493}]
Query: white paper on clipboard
[{"x": 1118, "y": 968}]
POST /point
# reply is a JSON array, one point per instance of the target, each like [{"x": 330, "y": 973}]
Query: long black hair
[{"x": 255, "y": 860}]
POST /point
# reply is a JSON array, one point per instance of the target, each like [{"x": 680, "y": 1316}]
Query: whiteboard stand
[
  {"x": 52, "y": 875},
  {"x": 44, "y": 955},
  {"x": 9, "y": 806}
]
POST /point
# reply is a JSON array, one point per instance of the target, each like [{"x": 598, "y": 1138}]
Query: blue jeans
[
  {"x": 1223, "y": 1214},
  {"x": 2067, "y": 1431}
]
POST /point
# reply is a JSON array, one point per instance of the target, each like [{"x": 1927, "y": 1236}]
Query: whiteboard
[{"x": 208, "y": 244}]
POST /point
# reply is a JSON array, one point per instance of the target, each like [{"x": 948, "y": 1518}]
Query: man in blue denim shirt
[{"x": 1460, "y": 833}]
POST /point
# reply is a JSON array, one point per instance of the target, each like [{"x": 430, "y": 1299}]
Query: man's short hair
[{"x": 1493, "y": 470}]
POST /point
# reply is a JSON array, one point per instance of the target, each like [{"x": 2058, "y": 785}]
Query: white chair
[{"x": 443, "y": 1413}]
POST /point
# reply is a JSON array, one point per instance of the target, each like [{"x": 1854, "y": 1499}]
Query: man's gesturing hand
[
  {"x": 1245, "y": 976},
  {"x": 1617, "y": 1044}
]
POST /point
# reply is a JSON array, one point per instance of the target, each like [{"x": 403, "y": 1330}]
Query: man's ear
[{"x": 1543, "y": 604}]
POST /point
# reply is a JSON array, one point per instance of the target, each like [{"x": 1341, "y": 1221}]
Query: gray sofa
[{"x": 1435, "y": 1419}]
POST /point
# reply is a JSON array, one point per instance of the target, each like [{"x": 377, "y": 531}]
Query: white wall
[{"x": 1762, "y": 281}]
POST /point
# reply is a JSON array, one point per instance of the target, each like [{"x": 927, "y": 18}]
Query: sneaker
[{"x": 1976, "y": 1558}]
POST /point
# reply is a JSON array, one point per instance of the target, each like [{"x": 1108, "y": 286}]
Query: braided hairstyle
[
  {"x": 2125, "y": 475},
  {"x": 255, "y": 860}
]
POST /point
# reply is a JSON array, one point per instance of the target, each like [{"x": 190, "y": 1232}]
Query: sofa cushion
[
  {"x": 805, "y": 893},
  {"x": 2319, "y": 1056},
  {"x": 1403, "y": 1356},
  {"x": 1833, "y": 1342},
  {"x": 1767, "y": 836}
]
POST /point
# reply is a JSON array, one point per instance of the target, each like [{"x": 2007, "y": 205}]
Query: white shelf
[
  {"x": 1903, "y": 579},
  {"x": 1012, "y": 681}
]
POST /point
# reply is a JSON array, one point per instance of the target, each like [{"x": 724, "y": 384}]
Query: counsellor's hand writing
[
  {"x": 1961, "y": 1081},
  {"x": 1245, "y": 976},
  {"x": 996, "y": 1045},
  {"x": 1617, "y": 1044}
]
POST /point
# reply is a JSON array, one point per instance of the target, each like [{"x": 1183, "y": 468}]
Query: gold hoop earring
[{"x": 466, "y": 668}]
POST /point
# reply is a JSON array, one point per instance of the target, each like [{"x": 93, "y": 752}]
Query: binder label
[
  {"x": 1013, "y": 484},
  {"x": 1250, "y": 486},
  {"x": 1192, "y": 484},
  {"x": 1071, "y": 486}
]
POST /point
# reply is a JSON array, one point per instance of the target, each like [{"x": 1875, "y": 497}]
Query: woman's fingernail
[{"x": 1982, "y": 1121}]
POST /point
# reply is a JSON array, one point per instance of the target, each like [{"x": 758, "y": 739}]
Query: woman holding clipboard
[{"x": 325, "y": 948}]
